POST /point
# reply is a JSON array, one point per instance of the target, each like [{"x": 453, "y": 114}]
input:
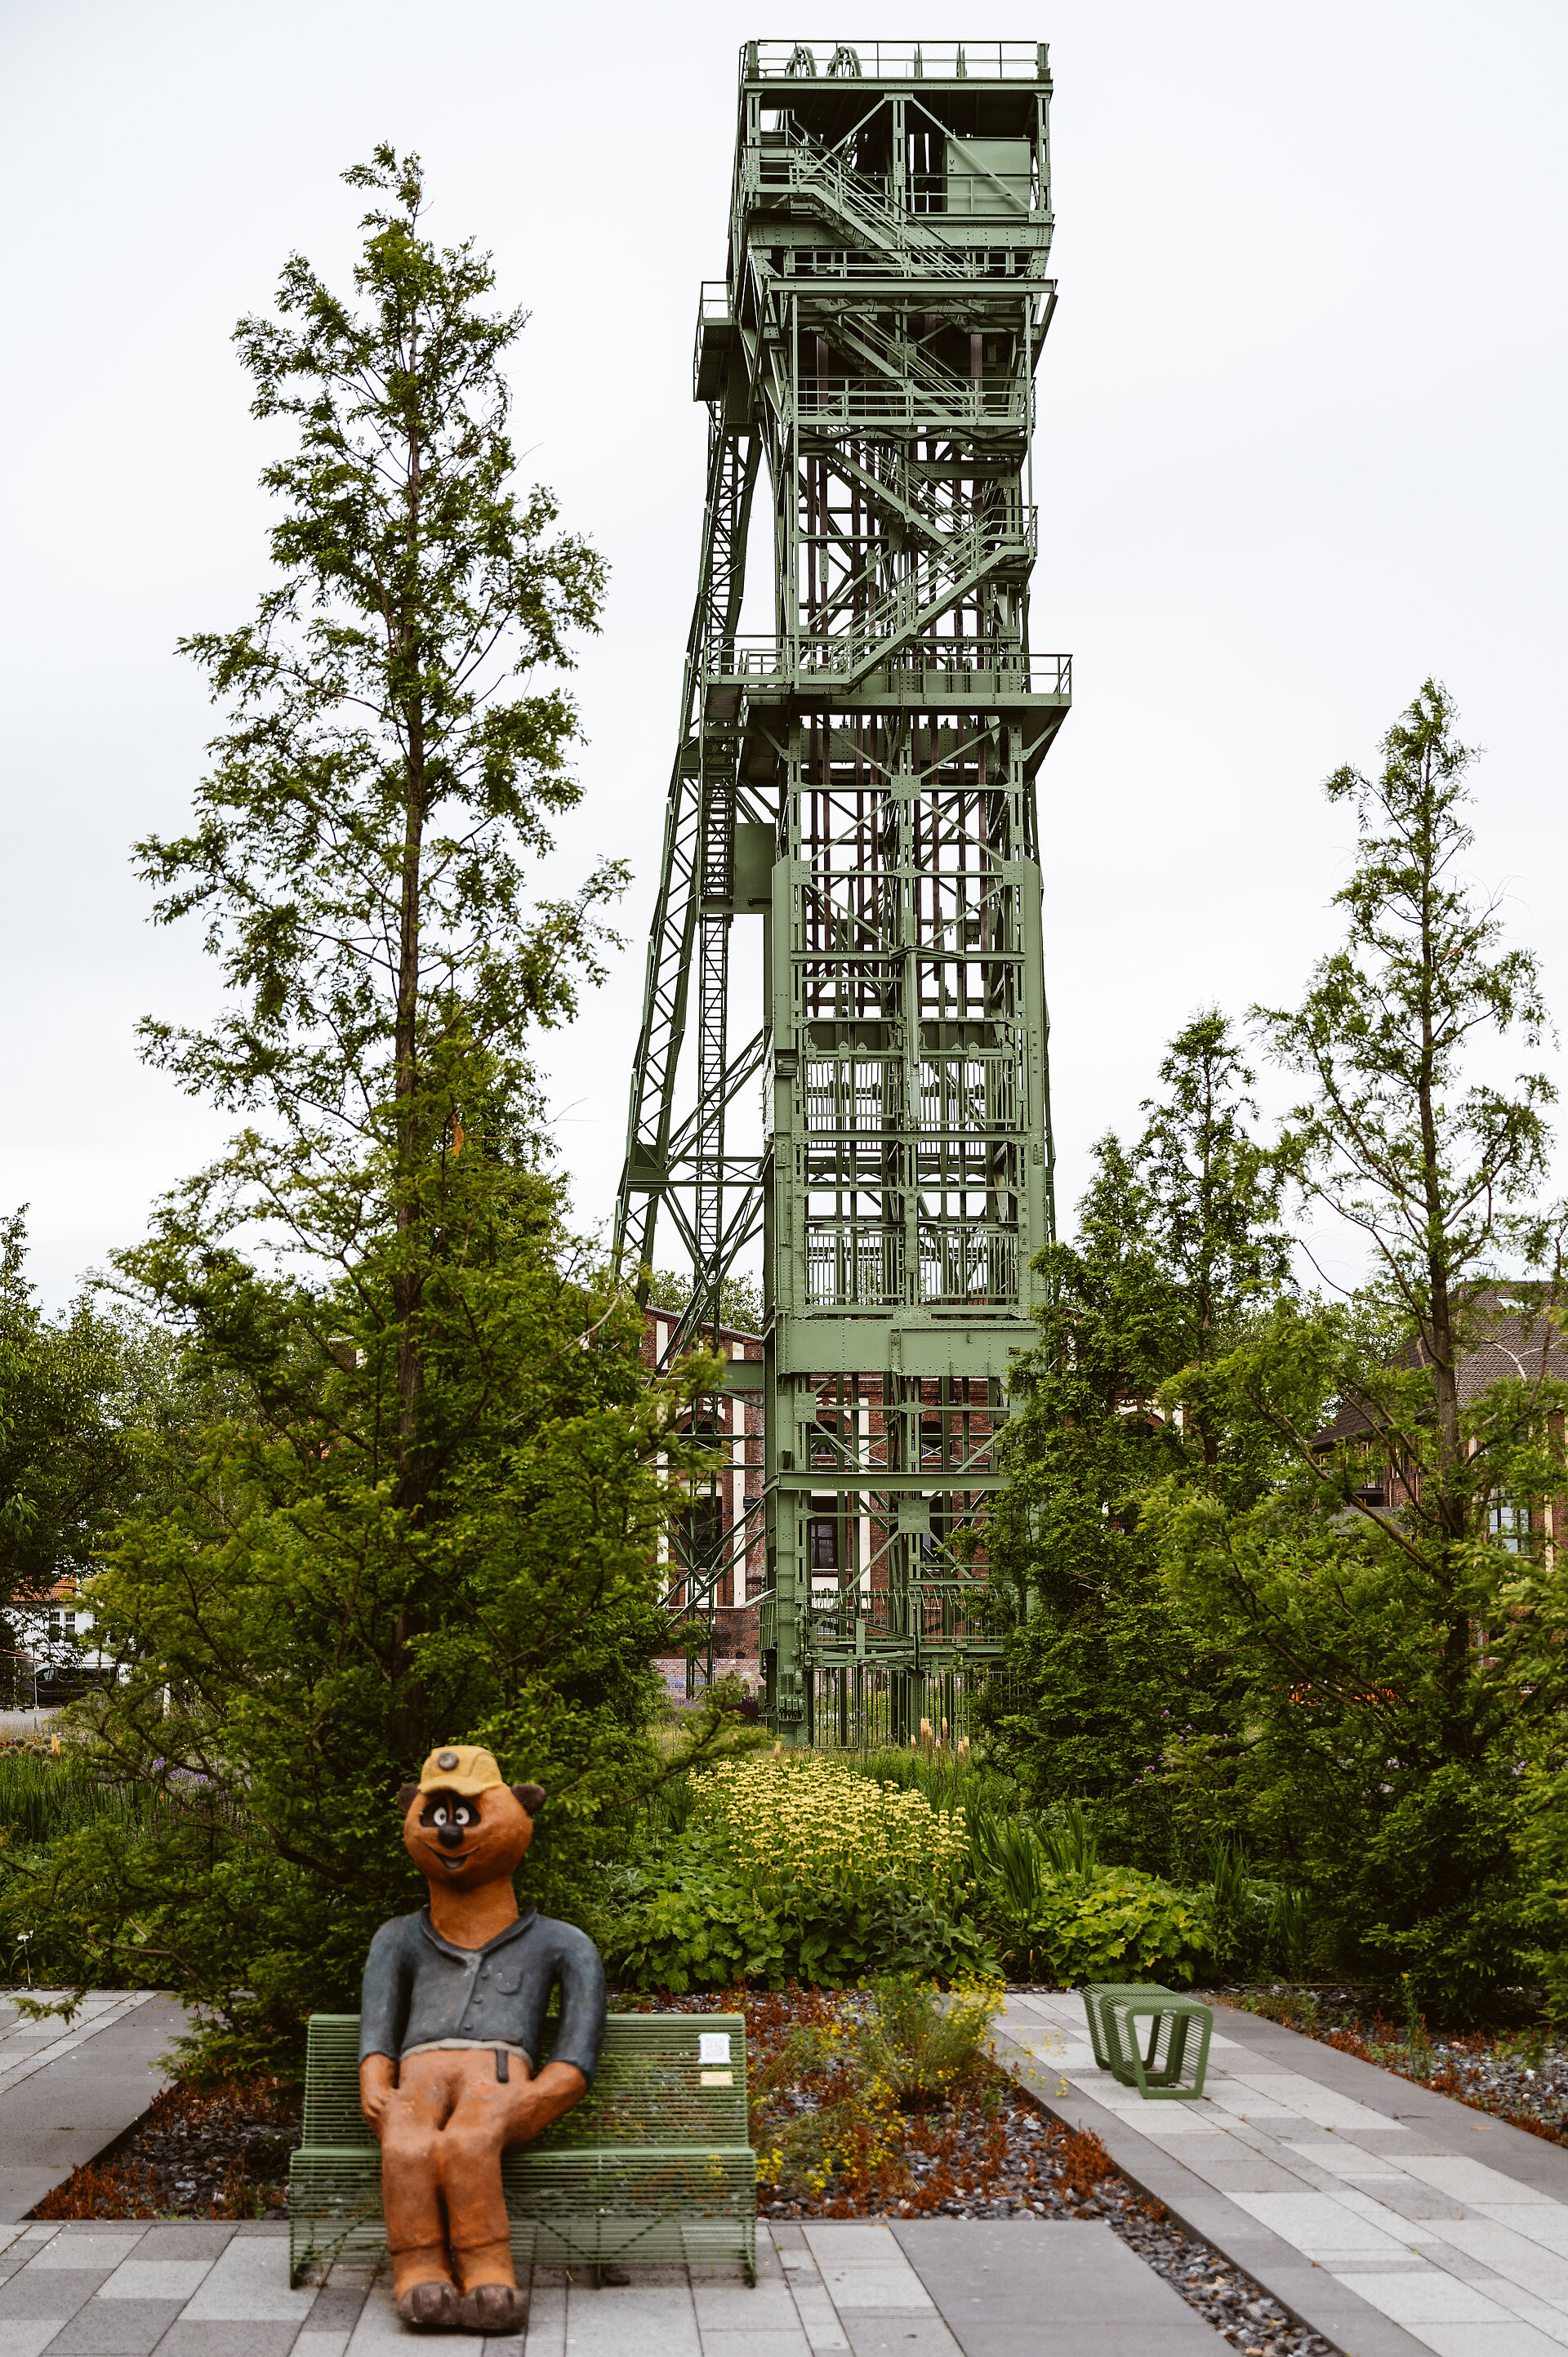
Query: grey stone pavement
[
  {"x": 1371, "y": 2209},
  {"x": 934, "y": 2287},
  {"x": 68, "y": 2089},
  {"x": 1392, "y": 2220}
]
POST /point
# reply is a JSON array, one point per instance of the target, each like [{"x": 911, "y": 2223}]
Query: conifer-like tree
[
  {"x": 409, "y": 1483},
  {"x": 1177, "y": 1245},
  {"x": 1375, "y": 1618}
]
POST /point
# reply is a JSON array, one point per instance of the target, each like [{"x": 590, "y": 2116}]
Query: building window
[
  {"x": 1509, "y": 1526},
  {"x": 698, "y": 1533},
  {"x": 823, "y": 1539}
]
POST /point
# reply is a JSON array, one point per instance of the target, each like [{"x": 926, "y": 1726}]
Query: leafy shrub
[
  {"x": 687, "y": 1922},
  {"x": 694, "y": 1919},
  {"x": 1102, "y": 1923}
]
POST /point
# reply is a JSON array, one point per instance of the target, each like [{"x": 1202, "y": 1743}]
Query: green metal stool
[{"x": 1171, "y": 2068}]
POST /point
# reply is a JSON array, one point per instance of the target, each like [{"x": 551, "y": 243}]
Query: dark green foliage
[
  {"x": 1239, "y": 1646},
  {"x": 1396, "y": 1683},
  {"x": 358, "y": 845},
  {"x": 1060, "y": 1917},
  {"x": 1175, "y": 1247},
  {"x": 689, "y": 1917},
  {"x": 73, "y": 1390},
  {"x": 404, "y": 1485},
  {"x": 262, "y": 1611}
]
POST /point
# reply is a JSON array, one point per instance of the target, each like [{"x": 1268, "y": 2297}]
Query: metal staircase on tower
[{"x": 859, "y": 780}]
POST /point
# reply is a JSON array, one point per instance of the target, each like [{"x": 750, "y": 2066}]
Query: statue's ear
[
  {"x": 406, "y": 1796},
  {"x": 531, "y": 1797}
]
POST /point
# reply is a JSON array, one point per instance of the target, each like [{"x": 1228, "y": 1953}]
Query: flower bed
[
  {"x": 1520, "y": 2076},
  {"x": 986, "y": 2150},
  {"x": 801, "y": 1813}
]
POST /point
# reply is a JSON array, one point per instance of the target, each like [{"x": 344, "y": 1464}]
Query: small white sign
[{"x": 713, "y": 2046}]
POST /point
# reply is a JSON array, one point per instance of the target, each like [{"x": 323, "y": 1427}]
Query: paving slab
[
  {"x": 1058, "y": 2286},
  {"x": 68, "y": 2091},
  {"x": 825, "y": 2288},
  {"x": 1364, "y": 2204}
]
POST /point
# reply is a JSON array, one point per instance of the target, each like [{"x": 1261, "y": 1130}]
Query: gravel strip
[
  {"x": 1017, "y": 2161},
  {"x": 1522, "y": 2075}
]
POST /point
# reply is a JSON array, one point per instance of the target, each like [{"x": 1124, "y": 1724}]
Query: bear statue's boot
[
  {"x": 490, "y": 2300},
  {"x": 493, "y": 2308},
  {"x": 423, "y": 2291},
  {"x": 423, "y": 2288}
]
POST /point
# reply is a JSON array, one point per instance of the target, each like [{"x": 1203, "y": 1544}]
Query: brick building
[
  {"x": 1514, "y": 1340},
  {"x": 736, "y": 1499}
]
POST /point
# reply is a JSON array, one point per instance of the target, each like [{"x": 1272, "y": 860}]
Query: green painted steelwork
[{"x": 862, "y": 779}]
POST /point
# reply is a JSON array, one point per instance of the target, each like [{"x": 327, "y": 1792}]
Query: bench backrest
[{"x": 656, "y": 2084}]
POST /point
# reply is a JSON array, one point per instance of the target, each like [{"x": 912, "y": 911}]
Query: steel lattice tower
[{"x": 862, "y": 781}]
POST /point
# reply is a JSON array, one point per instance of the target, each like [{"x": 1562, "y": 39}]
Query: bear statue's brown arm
[
  {"x": 558, "y": 2086},
  {"x": 377, "y": 2074}
]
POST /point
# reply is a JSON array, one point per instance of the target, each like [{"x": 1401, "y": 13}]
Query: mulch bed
[
  {"x": 1518, "y": 2076},
  {"x": 218, "y": 2151},
  {"x": 996, "y": 2153}
]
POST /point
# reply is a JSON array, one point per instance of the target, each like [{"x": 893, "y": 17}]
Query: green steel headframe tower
[{"x": 862, "y": 781}]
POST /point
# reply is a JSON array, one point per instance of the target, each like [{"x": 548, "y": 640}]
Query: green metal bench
[
  {"x": 1172, "y": 2068},
  {"x": 652, "y": 2163}
]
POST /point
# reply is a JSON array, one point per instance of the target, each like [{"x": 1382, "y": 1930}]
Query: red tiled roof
[{"x": 1512, "y": 1334}]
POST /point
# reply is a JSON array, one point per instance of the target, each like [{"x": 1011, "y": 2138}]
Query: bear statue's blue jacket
[{"x": 419, "y": 1988}]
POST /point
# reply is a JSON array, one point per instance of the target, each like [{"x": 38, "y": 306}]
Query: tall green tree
[
  {"x": 256, "y": 1604},
  {"x": 358, "y": 849},
  {"x": 411, "y": 1482},
  {"x": 1366, "y": 1597},
  {"x": 1178, "y": 1246},
  {"x": 398, "y": 742},
  {"x": 1437, "y": 1172}
]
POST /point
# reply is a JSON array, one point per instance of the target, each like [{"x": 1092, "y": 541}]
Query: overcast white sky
[{"x": 1302, "y": 443}]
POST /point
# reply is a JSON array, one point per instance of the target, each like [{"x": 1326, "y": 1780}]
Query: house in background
[
  {"x": 719, "y": 1514},
  {"x": 1516, "y": 1341},
  {"x": 48, "y": 1655}
]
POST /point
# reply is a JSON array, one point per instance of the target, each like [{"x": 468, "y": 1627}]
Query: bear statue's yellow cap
[{"x": 459, "y": 1768}]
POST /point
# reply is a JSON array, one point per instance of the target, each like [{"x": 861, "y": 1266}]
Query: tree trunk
[
  {"x": 1450, "y": 1501},
  {"x": 407, "y": 1712}
]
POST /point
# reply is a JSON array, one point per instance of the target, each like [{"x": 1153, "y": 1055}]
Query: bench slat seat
[
  {"x": 653, "y": 2164},
  {"x": 1171, "y": 2067}
]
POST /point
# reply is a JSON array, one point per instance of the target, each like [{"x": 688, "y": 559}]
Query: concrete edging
[{"x": 1309, "y": 2295}]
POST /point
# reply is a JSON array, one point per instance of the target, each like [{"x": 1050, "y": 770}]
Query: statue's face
[{"x": 466, "y": 1839}]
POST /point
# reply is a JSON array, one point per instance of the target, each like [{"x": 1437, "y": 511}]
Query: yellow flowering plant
[{"x": 802, "y": 1818}]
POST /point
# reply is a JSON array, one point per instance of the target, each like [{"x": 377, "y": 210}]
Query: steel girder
[{"x": 861, "y": 778}]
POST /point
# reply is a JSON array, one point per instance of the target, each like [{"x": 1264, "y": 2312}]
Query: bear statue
[{"x": 452, "y": 2018}]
